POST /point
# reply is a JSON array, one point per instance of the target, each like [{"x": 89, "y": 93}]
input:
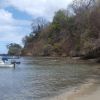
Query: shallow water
[{"x": 40, "y": 78}]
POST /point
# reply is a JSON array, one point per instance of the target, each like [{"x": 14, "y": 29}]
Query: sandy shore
[
  {"x": 93, "y": 96},
  {"x": 87, "y": 91}
]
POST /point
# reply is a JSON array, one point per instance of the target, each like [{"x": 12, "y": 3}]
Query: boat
[{"x": 5, "y": 64}]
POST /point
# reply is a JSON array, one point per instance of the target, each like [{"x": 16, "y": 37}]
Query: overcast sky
[{"x": 16, "y": 17}]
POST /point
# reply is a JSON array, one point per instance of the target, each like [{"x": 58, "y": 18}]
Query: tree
[
  {"x": 74, "y": 31},
  {"x": 14, "y": 49},
  {"x": 38, "y": 25}
]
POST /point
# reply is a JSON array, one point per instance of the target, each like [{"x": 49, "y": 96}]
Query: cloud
[
  {"x": 5, "y": 17},
  {"x": 3, "y": 3},
  {"x": 36, "y": 8},
  {"x": 12, "y": 30},
  {"x": 44, "y": 8}
]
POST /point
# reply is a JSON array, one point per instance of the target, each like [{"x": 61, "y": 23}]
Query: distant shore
[{"x": 70, "y": 59}]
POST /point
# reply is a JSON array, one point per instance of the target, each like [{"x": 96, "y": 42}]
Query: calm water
[{"x": 38, "y": 78}]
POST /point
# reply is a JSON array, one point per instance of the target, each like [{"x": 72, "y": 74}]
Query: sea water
[{"x": 44, "y": 78}]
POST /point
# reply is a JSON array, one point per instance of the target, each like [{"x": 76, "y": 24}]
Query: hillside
[{"x": 73, "y": 32}]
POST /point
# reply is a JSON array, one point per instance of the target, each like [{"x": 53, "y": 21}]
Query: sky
[{"x": 16, "y": 17}]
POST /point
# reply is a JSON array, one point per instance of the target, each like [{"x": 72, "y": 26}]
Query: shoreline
[
  {"x": 68, "y": 59},
  {"x": 86, "y": 91}
]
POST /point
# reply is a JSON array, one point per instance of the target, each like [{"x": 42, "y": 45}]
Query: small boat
[{"x": 5, "y": 65}]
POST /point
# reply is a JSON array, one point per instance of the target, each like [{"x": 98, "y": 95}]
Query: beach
[
  {"x": 94, "y": 96},
  {"x": 87, "y": 91}
]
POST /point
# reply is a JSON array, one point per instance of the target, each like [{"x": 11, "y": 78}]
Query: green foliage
[
  {"x": 14, "y": 49},
  {"x": 59, "y": 15},
  {"x": 70, "y": 31},
  {"x": 28, "y": 39}
]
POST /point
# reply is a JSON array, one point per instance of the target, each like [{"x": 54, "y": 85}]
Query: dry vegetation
[{"x": 73, "y": 32}]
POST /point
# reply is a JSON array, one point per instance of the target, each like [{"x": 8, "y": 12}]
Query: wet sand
[
  {"x": 87, "y": 91},
  {"x": 93, "y": 96}
]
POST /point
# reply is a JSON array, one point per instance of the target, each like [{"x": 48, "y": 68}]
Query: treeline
[
  {"x": 14, "y": 49},
  {"x": 73, "y": 32}
]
